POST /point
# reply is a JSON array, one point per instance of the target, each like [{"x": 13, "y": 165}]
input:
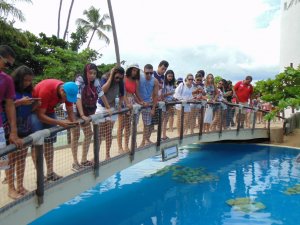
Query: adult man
[
  {"x": 148, "y": 89},
  {"x": 160, "y": 76},
  {"x": 7, "y": 95},
  {"x": 51, "y": 92},
  {"x": 243, "y": 91}
]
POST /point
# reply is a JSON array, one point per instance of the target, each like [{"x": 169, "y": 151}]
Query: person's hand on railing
[
  {"x": 109, "y": 111},
  {"x": 86, "y": 119},
  {"x": 14, "y": 139},
  {"x": 153, "y": 111},
  {"x": 145, "y": 104},
  {"x": 66, "y": 123}
]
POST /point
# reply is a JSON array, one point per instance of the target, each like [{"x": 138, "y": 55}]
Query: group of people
[{"x": 28, "y": 108}]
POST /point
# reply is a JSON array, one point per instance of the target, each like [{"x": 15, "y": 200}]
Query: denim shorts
[{"x": 38, "y": 125}]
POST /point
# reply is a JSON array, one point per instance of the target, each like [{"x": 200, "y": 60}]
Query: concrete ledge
[
  {"x": 276, "y": 135},
  {"x": 28, "y": 210}
]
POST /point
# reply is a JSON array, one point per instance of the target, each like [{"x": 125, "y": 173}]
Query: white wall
[{"x": 290, "y": 33}]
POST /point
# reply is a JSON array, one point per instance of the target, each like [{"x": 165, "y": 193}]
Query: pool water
[{"x": 139, "y": 195}]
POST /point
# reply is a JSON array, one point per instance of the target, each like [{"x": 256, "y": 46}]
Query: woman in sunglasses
[
  {"x": 113, "y": 88},
  {"x": 184, "y": 92}
]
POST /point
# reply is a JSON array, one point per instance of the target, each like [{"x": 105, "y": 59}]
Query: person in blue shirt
[{"x": 24, "y": 103}]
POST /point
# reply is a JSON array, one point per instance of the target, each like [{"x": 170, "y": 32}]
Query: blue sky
[{"x": 232, "y": 38}]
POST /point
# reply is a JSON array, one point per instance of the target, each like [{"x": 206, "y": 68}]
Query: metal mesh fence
[{"x": 69, "y": 151}]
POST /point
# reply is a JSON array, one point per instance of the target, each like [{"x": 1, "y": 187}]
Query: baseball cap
[
  {"x": 134, "y": 65},
  {"x": 71, "y": 91},
  {"x": 180, "y": 79}
]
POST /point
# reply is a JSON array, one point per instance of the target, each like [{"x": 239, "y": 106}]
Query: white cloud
[{"x": 221, "y": 37}]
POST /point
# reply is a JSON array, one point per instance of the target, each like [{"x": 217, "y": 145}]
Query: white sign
[{"x": 169, "y": 153}]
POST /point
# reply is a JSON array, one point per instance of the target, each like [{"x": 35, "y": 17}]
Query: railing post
[
  {"x": 239, "y": 120},
  {"x": 181, "y": 122},
  {"x": 159, "y": 127},
  {"x": 269, "y": 127},
  {"x": 39, "y": 150},
  {"x": 221, "y": 119},
  {"x": 135, "y": 110},
  {"x": 202, "y": 119},
  {"x": 254, "y": 120},
  {"x": 96, "y": 149},
  {"x": 38, "y": 139}
]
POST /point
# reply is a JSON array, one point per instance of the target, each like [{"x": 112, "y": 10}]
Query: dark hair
[
  {"x": 248, "y": 78},
  {"x": 128, "y": 73},
  {"x": 200, "y": 73},
  {"x": 148, "y": 66},
  {"x": 163, "y": 63},
  {"x": 6, "y": 51},
  {"x": 88, "y": 67},
  {"x": 118, "y": 69},
  {"x": 18, "y": 77},
  {"x": 172, "y": 82},
  {"x": 224, "y": 84}
]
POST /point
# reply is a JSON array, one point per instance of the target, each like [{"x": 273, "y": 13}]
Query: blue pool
[{"x": 207, "y": 184}]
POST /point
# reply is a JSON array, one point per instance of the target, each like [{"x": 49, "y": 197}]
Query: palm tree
[
  {"x": 95, "y": 23},
  {"x": 58, "y": 19},
  {"x": 68, "y": 20},
  {"x": 114, "y": 31},
  {"x": 7, "y": 9}
]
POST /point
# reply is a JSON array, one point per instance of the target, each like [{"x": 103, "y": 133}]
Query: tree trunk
[
  {"x": 91, "y": 38},
  {"x": 58, "y": 21},
  {"x": 68, "y": 20},
  {"x": 114, "y": 32}
]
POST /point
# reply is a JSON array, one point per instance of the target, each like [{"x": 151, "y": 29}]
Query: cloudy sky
[{"x": 232, "y": 38}]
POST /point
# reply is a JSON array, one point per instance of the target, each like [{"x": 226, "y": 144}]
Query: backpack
[{"x": 89, "y": 100}]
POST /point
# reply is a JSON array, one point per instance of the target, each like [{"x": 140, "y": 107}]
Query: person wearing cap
[
  {"x": 132, "y": 96},
  {"x": 51, "y": 92},
  {"x": 178, "y": 81}
]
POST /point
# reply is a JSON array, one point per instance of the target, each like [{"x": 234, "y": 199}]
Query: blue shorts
[{"x": 38, "y": 125}]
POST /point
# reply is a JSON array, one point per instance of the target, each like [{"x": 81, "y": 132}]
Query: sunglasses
[
  {"x": 7, "y": 64},
  {"x": 190, "y": 79},
  {"x": 148, "y": 73},
  {"x": 118, "y": 78},
  {"x": 198, "y": 80}
]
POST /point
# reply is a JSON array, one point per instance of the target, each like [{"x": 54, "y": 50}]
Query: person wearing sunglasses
[
  {"x": 113, "y": 88},
  {"x": 7, "y": 96},
  {"x": 184, "y": 92},
  {"x": 148, "y": 89},
  {"x": 198, "y": 94}
]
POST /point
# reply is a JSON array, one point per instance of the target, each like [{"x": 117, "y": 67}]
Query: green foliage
[
  {"x": 78, "y": 38},
  {"x": 95, "y": 23},
  {"x": 283, "y": 91},
  {"x": 217, "y": 79},
  {"x": 8, "y": 9}
]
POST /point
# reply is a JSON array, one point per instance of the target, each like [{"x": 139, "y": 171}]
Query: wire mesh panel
[{"x": 20, "y": 179}]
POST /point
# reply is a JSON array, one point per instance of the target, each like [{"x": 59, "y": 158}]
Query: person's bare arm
[
  {"x": 107, "y": 84},
  {"x": 70, "y": 113},
  {"x": 154, "y": 96},
  {"x": 10, "y": 111},
  {"x": 139, "y": 100},
  {"x": 41, "y": 113}
]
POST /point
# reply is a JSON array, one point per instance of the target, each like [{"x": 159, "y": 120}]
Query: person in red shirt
[
  {"x": 52, "y": 92},
  {"x": 243, "y": 91}
]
